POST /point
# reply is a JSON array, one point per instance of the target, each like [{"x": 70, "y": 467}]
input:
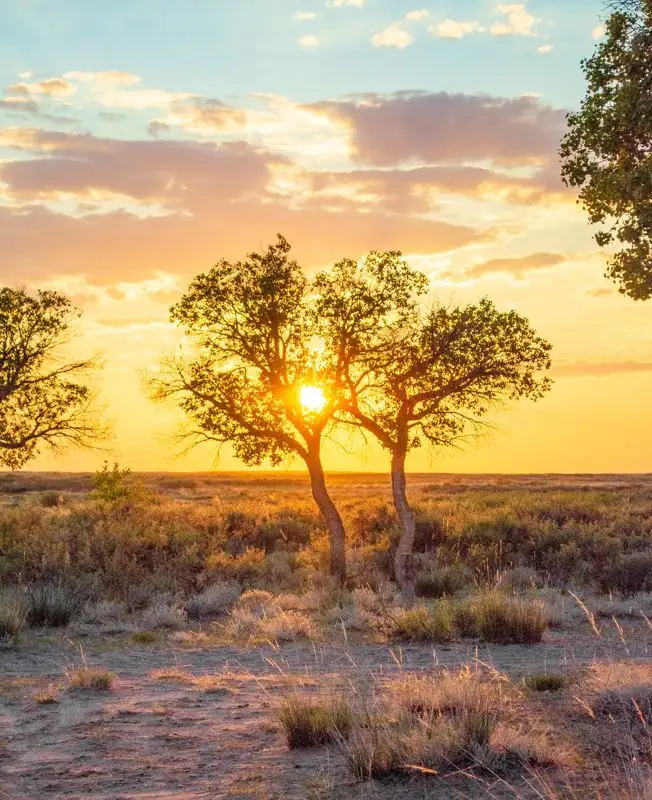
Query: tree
[
  {"x": 254, "y": 380},
  {"x": 429, "y": 380},
  {"x": 43, "y": 401},
  {"x": 607, "y": 150}
]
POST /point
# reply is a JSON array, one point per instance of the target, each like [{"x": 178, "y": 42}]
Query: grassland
[{"x": 186, "y": 639}]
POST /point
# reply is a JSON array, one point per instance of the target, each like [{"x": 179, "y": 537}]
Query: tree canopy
[
  {"x": 426, "y": 378},
  {"x": 43, "y": 400},
  {"x": 607, "y": 150}
]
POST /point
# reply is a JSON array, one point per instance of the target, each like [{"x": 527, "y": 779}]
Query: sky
[{"x": 141, "y": 142}]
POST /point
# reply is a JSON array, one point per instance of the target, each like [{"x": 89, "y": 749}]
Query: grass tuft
[
  {"x": 507, "y": 620},
  {"x": 52, "y": 603},
  {"x": 97, "y": 678},
  {"x": 311, "y": 723},
  {"x": 546, "y": 682}
]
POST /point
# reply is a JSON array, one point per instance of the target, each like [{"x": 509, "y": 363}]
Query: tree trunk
[
  {"x": 332, "y": 518},
  {"x": 404, "y": 559}
]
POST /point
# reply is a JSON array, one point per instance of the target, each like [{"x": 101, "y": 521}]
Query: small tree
[
  {"x": 607, "y": 151},
  {"x": 43, "y": 401},
  {"x": 254, "y": 380},
  {"x": 429, "y": 380}
]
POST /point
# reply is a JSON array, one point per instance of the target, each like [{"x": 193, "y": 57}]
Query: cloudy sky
[{"x": 142, "y": 143}]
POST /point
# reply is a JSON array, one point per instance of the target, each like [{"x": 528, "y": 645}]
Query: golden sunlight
[{"x": 312, "y": 399}]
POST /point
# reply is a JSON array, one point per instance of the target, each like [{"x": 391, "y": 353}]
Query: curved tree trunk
[
  {"x": 404, "y": 559},
  {"x": 331, "y": 516}
]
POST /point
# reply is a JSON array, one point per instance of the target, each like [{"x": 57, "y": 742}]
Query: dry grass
[
  {"x": 508, "y": 620},
  {"x": 310, "y": 722},
  {"x": 172, "y": 675},
  {"x": 48, "y": 695},
  {"x": 97, "y": 678}
]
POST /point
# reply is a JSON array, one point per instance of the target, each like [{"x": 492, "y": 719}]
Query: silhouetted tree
[
  {"x": 43, "y": 401},
  {"x": 426, "y": 379},
  {"x": 251, "y": 328},
  {"x": 607, "y": 151}
]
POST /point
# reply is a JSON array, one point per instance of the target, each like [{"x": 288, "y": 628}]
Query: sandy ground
[{"x": 152, "y": 739}]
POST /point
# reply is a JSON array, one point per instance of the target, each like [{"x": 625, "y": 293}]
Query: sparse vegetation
[
  {"x": 47, "y": 696},
  {"x": 508, "y": 620},
  {"x": 311, "y": 722},
  {"x": 52, "y": 603},
  {"x": 91, "y": 678},
  {"x": 13, "y": 614},
  {"x": 546, "y": 682}
]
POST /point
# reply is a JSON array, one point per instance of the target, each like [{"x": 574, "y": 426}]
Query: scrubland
[{"x": 182, "y": 639}]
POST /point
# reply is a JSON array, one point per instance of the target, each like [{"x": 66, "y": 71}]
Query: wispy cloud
[
  {"x": 516, "y": 267},
  {"x": 600, "y": 369},
  {"x": 309, "y": 41},
  {"x": 599, "y": 32},
  {"x": 544, "y": 49},
  {"x": 51, "y": 87},
  {"x": 394, "y": 35},
  {"x": 414, "y": 16},
  {"x": 305, "y": 15},
  {"x": 338, "y": 3},
  {"x": 454, "y": 29}
]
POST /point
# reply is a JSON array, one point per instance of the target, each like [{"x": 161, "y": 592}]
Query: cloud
[
  {"x": 394, "y": 35},
  {"x": 420, "y": 189},
  {"x": 600, "y": 369},
  {"x": 598, "y": 32},
  {"x": 417, "y": 15},
  {"x": 601, "y": 291},
  {"x": 452, "y": 29},
  {"x": 199, "y": 115},
  {"x": 517, "y": 267},
  {"x": 53, "y": 87},
  {"x": 518, "y": 21},
  {"x": 19, "y": 105},
  {"x": 213, "y": 197},
  {"x": 339, "y": 3},
  {"x": 305, "y": 15},
  {"x": 408, "y": 127},
  {"x": 545, "y": 48},
  {"x": 105, "y": 78},
  {"x": 309, "y": 41}
]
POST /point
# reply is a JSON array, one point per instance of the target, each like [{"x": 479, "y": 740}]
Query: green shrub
[
  {"x": 52, "y": 603},
  {"x": 506, "y": 620},
  {"x": 310, "y": 723}
]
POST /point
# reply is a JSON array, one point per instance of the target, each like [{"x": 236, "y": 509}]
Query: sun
[{"x": 312, "y": 399}]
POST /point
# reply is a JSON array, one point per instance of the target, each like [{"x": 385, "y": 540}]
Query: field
[{"x": 176, "y": 636}]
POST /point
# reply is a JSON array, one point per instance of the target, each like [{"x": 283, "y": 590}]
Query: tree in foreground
[
  {"x": 607, "y": 151},
  {"x": 434, "y": 384},
  {"x": 44, "y": 401},
  {"x": 253, "y": 380}
]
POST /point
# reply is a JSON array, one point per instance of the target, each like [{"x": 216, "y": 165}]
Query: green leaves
[
  {"x": 42, "y": 401},
  {"x": 607, "y": 151}
]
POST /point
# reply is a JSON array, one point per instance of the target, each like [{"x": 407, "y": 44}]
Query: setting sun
[{"x": 312, "y": 398}]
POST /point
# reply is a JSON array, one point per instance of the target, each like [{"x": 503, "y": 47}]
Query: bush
[
  {"x": 545, "y": 682},
  {"x": 435, "y": 581},
  {"x": 433, "y": 623},
  {"x": 311, "y": 723},
  {"x": 631, "y": 574},
  {"x": 213, "y": 600},
  {"x": 163, "y": 616},
  {"x": 506, "y": 620},
  {"x": 52, "y": 603},
  {"x": 288, "y": 626},
  {"x": 91, "y": 678},
  {"x": 13, "y": 614}
]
